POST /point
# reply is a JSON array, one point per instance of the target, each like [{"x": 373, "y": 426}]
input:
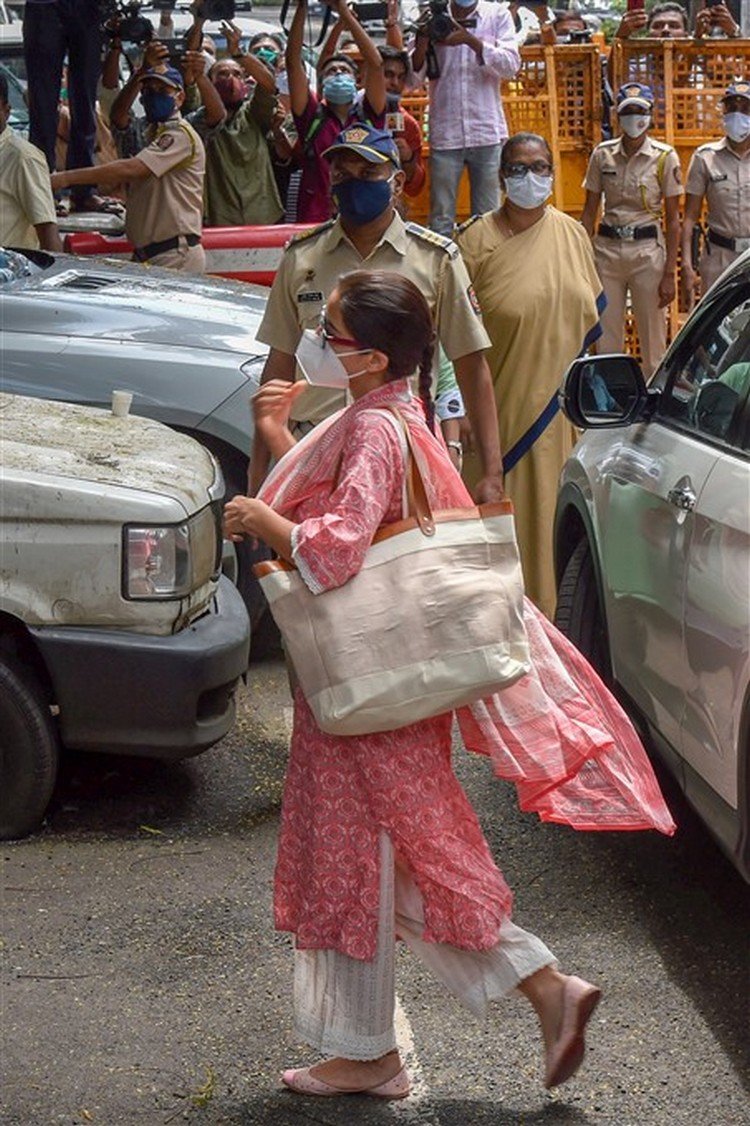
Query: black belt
[
  {"x": 727, "y": 243},
  {"x": 143, "y": 253},
  {"x": 628, "y": 233}
]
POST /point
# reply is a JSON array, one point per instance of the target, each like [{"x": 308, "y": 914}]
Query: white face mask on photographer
[
  {"x": 528, "y": 191},
  {"x": 633, "y": 125},
  {"x": 737, "y": 126},
  {"x": 320, "y": 365}
]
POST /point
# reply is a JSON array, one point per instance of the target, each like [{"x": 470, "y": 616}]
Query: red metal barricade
[{"x": 248, "y": 254}]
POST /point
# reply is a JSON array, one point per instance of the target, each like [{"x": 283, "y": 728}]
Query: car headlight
[{"x": 169, "y": 561}]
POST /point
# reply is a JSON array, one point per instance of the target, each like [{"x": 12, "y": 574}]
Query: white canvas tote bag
[{"x": 433, "y": 621}]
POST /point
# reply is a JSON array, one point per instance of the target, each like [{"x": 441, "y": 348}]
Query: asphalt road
[{"x": 142, "y": 982}]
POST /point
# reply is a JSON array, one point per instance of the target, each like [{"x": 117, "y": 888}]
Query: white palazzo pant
[{"x": 345, "y": 1007}]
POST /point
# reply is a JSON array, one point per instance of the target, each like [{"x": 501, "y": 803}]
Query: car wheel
[
  {"x": 29, "y": 750},
  {"x": 264, "y": 637},
  {"x": 579, "y": 612}
]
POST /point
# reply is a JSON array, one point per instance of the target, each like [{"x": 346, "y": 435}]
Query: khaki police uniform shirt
[
  {"x": 633, "y": 186},
  {"x": 169, "y": 202},
  {"x": 26, "y": 198},
  {"x": 312, "y": 264},
  {"x": 723, "y": 177}
]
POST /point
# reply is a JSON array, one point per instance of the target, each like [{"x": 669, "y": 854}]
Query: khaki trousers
[
  {"x": 637, "y": 267},
  {"x": 713, "y": 262},
  {"x": 186, "y": 259}
]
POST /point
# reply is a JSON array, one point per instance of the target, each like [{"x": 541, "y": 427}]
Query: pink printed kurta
[
  {"x": 341, "y": 791},
  {"x": 557, "y": 734}
]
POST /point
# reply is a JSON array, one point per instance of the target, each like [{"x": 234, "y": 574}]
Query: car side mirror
[{"x": 604, "y": 391}]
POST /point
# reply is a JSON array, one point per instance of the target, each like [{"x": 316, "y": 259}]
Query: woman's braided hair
[{"x": 385, "y": 311}]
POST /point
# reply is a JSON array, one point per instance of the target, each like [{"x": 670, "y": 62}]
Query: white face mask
[
  {"x": 737, "y": 126},
  {"x": 320, "y": 365},
  {"x": 530, "y": 191},
  {"x": 633, "y": 126}
]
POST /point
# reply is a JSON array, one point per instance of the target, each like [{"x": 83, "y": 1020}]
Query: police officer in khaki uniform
[
  {"x": 164, "y": 212},
  {"x": 366, "y": 179},
  {"x": 635, "y": 173},
  {"x": 719, "y": 172}
]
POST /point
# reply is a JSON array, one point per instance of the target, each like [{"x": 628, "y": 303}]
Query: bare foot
[
  {"x": 357, "y": 1075},
  {"x": 545, "y": 991}
]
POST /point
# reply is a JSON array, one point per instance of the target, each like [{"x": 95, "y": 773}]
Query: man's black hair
[
  {"x": 3, "y": 88},
  {"x": 339, "y": 58},
  {"x": 261, "y": 35},
  {"x": 668, "y": 6},
  {"x": 395, "y": 54}
]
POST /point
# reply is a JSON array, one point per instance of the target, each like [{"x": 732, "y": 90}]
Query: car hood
[
  {"x": 61, "y": 440},
  {"x": 124, "y": 301}
]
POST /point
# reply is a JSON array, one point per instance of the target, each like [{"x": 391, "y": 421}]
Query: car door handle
[{"x": 682, "y": 497}]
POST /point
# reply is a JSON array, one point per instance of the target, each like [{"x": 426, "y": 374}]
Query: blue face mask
[
  {"x": 339, "y": 89},
  {"x": 361, "y": 201},
  {"x": 156, "y": 105},
  {"x": 464, "y": 3}
]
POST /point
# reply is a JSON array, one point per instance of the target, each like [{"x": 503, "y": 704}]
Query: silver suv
[{"x": 652, "y": 548}]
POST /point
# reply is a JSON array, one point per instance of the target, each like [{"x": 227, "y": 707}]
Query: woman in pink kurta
[{"x": 378, "y": 839}]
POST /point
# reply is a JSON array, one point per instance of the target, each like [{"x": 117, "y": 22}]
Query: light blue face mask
[
  {"x": 464, "y": 3},
  {"x": 339, "y": 89}
]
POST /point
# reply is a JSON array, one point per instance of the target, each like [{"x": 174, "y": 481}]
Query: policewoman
[
  {"x": 719, "y": 173},
  {"x": 635, "y": 254}
]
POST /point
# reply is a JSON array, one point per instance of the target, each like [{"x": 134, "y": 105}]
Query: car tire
[
  {"x": 579, "y": 613},
  {"x": 29, "y": 751},
  {"x": 264, "y": 635}
]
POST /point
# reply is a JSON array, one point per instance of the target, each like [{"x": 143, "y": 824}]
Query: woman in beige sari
[{"x": 533, "y": 271}]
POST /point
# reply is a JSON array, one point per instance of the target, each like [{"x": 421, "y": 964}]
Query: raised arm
[
  {"x": 374, "y": 79},
  {"x": 299, "y": 87}
]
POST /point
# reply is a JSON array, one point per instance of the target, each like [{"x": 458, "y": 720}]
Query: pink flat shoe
[
  {"x": 565, "y": 1056},
  {"x": 300, "y": 1080}
]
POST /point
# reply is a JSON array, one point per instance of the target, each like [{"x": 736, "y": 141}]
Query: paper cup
[{"x": 121, "y": 401}]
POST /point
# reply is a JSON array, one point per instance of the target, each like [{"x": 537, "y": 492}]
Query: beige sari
[{"x": 541, "y": 297}]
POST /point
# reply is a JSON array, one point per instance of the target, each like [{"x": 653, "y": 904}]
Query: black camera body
[
  {"x": 216, "y": 10},
  {"x": 370, "y": 11},
  {"x": 121, "y": 20},
  {"x": 582, "y": 35},
  {"x": 437, "y": 20}
]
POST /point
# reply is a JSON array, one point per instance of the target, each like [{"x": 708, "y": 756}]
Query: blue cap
[
  {"x": 738, "y": 89},
  {"x": 375, "y": 145},
  {"x": 635, "y": 94},
  {"x": 169, "y": 75}
]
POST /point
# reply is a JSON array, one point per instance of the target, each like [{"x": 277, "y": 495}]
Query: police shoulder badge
[
  {"x": 424, "y": 233},
  {"x": 164, "y": 142},
  {"x": 474, "y": 300}
]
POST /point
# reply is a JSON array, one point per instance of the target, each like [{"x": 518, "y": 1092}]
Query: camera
[
  {"x": 435, "y": 20},
  {"x": 583, "y": 35},
  {"x": 216, "y": 10},
  {"x": 370, "y": 11},
  {"x": 121, "y": 20}
]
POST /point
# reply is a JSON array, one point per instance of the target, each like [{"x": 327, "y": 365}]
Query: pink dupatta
[{"x": 558, "y": 733}]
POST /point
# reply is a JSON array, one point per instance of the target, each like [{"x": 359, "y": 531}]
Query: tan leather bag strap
[{"x": 416, "y": 493}]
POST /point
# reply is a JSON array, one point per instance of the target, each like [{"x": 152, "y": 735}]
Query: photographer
[
  {"x": 52, "y": 30},
  {"x": 240, "y": 185},
  {"x": 472, "y": 47},
  {"x": 319, "y": 121}
]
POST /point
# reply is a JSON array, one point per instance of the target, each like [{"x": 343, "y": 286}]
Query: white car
[{"x": 652, "y": 545}]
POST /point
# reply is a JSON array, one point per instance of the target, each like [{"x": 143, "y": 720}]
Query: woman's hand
[
  {"x": 245, "y": 516},
  {"x": 271, "y": 406},
  {"x": 248, "y": 516}
]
